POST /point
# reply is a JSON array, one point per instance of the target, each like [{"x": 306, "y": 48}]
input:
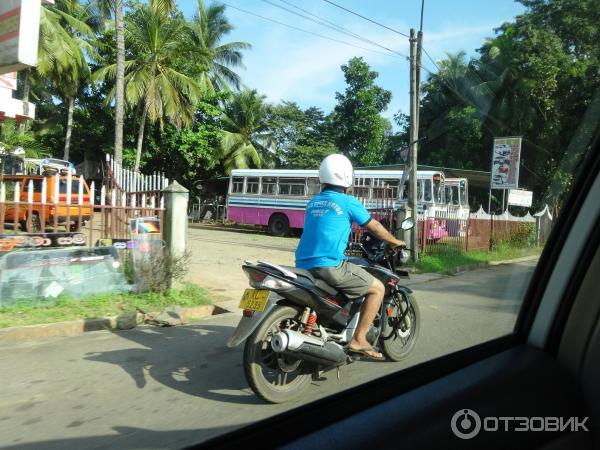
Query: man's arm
[{"x": 380, "y": 232}]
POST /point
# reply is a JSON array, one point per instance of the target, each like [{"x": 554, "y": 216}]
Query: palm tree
[
  {"x": 213, "y": 59},
  {"x": 64, "y": 42},
  {"x": 120, "y": 81},
  {"x": 152, "y": 81},
  {"x": 104, "y": 8},
  {"x": 11, "y": 138},
  {"x": 246, "y": 140}
]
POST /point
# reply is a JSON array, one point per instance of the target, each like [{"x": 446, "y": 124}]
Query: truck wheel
[
  {"x": 36, "y": 224},
  {"x": 279, "y": 225}
]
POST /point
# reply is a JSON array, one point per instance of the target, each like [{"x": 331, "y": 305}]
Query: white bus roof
[
  {"x": 272, "y": 173},
  {"x": 301, "y": 173}
]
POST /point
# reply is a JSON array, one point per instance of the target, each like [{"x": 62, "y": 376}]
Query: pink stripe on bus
[{"x": 261, "y": 216}]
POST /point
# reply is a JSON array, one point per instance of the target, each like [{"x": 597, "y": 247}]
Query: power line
[
  {"x": 366, "y": 18},
  {"x": 309, "y": 32},
  {"x": 431, "y": 59},
  {"x": 332, "y": 25}
]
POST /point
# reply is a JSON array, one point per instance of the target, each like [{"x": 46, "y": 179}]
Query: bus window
[
  {"x": 37, "y": 185},
  {"x": 455, "y": 196},
  {"x": 237, "y": 185},
  {"x": 362, "y": 181},
  {"x": 361, "y": 192},
  {"x": 419, "y": 190},
  {"x": 448, "y": 190},
  {"x": 314, "y": 186},
  {"x": 437, "y": 189},
  {"x": 292, "y": 186},
  {"x": 269, "y": 185},
  {"x": 404, "y": 195},
  {"x": 63, "y": 186},
  {"x": 252, "y": 184},
  {"x": 427, "y": 191},
  {"x": 389, "y": 187},
  {"x": 463, "y": 194}
]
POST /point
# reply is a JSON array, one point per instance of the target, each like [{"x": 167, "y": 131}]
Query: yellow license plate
[{"x": 254, "y": 299}]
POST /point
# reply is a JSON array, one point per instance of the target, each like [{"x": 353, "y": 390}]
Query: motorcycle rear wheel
[
  {"x": 399, "y": 346},
  {"x": 274, "y": 377}
]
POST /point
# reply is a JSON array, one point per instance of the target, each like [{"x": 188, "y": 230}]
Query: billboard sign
[
  {"x": 520, "y": 197},
  {"x": 19, "y": 34},
  {"x": 506, "y": 156}
]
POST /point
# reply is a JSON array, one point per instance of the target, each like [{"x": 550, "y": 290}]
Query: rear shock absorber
[{"x": 312, "y": 319}]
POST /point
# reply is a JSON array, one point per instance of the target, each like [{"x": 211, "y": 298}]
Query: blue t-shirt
[{"x": 327, "y": 226}]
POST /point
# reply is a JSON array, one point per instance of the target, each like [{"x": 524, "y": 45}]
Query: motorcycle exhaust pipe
[{"x": 309, "y": 348}]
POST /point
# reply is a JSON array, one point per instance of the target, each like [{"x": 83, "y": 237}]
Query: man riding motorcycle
[{"x": 327, "y": 226}]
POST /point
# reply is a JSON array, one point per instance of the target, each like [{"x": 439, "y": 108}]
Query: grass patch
[
  {"x": 445, "y": 262},
  {"x": 64, "y": 309}
]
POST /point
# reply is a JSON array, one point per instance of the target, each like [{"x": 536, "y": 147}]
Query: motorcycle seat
[{"x": 316, "y": 281}]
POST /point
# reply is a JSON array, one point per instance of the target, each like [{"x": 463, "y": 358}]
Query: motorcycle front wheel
[
  {"x": 274, "y": 377},
  {"x": 400, "y": 333}
]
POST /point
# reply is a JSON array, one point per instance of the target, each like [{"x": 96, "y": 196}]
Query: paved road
[{"x": 169, "y": 387}]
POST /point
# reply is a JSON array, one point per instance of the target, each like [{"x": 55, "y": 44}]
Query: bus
[
  {"x": 457, "y": 192},
  {"x": 457, "y": 198},
  {"x": 277, "y": 198}
]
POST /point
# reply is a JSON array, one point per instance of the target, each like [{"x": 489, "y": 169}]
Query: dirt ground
[{"x": 217, "y": 257}]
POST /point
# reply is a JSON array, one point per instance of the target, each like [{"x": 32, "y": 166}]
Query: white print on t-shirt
[{"x": 324, "y": 204}]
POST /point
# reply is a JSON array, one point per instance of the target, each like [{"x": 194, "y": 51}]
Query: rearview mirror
[{"x": 407, "y": 223}]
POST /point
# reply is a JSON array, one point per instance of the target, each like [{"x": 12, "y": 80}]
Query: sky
[{"x": 288, "y": 64}]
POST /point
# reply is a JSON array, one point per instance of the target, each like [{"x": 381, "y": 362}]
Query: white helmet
[{"x": 336, "y": 170}]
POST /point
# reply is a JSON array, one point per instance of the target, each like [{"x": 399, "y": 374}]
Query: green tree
[
  {"x": 65, "y": 42},
  {"x": 461, "y": 146},
  {"x": 246, "y": 139},
  {"x": 295, "y": 132},
  {"x": 207, "y": 58},
  {"x": 152, "y": 82},
  {"x": 104, "y": 9},
  {"x": 360, "y": 130},
  {"x": 187, "y": 154},
  {"x": 12, "y": 138},
  {"x": 308, "y": 157}
]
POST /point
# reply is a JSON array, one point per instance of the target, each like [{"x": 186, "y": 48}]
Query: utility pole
[{"x": 413, "y": 136}]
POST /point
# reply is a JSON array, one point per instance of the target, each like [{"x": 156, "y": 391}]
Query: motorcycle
[{"x": 296, "y": 326}]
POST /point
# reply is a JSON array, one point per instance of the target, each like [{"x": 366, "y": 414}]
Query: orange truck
[{"x": 55, "y": 206}]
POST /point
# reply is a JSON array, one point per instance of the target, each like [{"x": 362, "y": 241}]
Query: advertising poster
[{"x": 506, "y": 157}]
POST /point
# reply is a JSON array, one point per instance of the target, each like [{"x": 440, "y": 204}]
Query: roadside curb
[
  {"x": 124, "y": 321},
  {"x": 470, "y": 267}
]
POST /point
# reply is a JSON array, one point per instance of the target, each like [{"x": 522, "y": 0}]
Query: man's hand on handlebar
[
  {"x": 380, "y": 232},
  {"x": 397, "y": 245}
]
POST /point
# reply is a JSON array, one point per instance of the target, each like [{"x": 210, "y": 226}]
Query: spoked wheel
[
  {"x": 401, "y": 330},
  {"x": 274, "y": 377}
]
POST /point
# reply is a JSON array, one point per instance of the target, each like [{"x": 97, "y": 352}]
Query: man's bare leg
[{"x": 368, "y": 311}]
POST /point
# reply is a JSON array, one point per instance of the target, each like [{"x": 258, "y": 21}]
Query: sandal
[{"x": 366, "y": 353}]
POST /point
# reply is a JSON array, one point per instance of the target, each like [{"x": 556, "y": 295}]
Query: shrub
[{"x": 523, "y": 236}]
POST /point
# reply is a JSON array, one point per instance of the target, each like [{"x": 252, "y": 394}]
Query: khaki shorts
[{"x": 353, "y": 281}]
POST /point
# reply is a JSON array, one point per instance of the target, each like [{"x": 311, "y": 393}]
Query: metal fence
[
  {"x": 207, "y": 213},
  {"x": 53, "y": 204},
  {"x": 443, "y": 232}
]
